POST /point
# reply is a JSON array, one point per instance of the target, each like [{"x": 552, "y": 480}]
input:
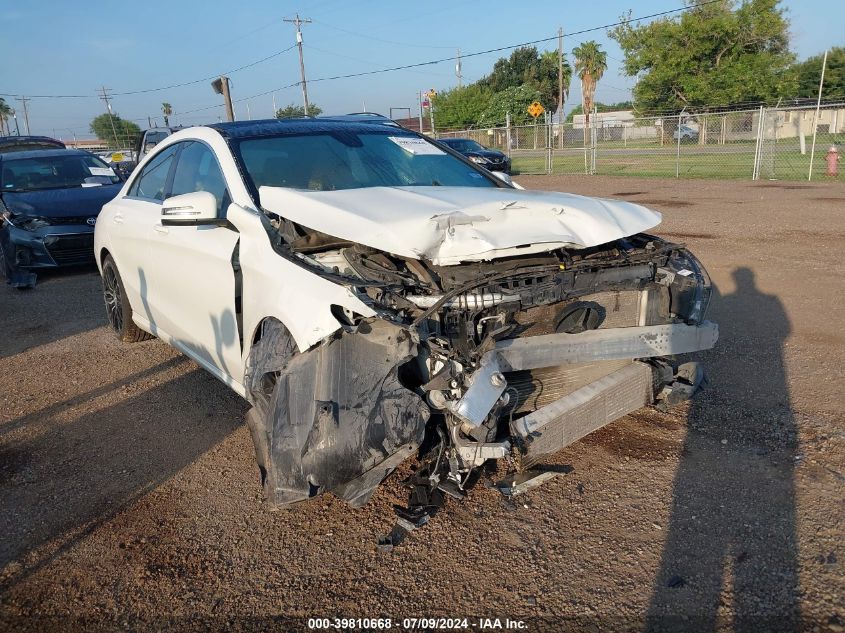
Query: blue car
[
  {"x": 490, "y": 159},
  {"x": 49, "y": 202}
]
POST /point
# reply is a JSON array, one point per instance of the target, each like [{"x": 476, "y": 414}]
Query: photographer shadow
[{"x": 730, "y": 555}]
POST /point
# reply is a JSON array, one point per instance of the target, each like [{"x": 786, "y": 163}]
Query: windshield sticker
[
  {"x": 686, "y": 272},
  {"x": 416, "y": 146},
  {"x": 101, "y": 171}
]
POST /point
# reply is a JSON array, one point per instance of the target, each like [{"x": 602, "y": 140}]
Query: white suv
[{"x": 378, "y": 297}]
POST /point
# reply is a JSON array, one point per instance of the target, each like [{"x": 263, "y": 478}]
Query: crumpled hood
[
  {"x": 60, "y": 203},
  {"x": 449, "y": 225}
]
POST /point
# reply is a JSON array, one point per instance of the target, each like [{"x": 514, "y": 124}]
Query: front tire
[{"x": 118, "y": 310}]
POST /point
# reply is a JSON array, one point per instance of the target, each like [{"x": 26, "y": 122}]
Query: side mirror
[
  {"x": 190, "y": 209},
  {"x": 503, "y": 177}
]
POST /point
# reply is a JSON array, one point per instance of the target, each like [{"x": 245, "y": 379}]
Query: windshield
[
  {"x": 464, "y": 145},
  {"x": 55, "y": 172},
  {"x": 345, "y": 159}
]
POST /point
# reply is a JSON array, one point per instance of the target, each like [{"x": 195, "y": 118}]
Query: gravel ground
[{"x": 129, "y": 496}]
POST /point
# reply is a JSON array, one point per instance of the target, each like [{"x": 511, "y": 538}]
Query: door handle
[
  {"x": 117, "y": 218},
  {"x": 161, "y": 229}
]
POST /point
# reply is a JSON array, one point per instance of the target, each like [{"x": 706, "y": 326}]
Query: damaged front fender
[{"x": 336, "y": 417}]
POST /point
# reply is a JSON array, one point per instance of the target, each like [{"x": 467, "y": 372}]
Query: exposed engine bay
[{"x": 511, "y": 358}]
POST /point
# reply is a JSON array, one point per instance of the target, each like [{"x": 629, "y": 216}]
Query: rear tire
[{"x": 118, "y": 310}]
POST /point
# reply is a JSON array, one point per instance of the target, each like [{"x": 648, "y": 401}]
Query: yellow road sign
[
  {"x": 536, "y": 109},
  {"x": 117, "y": 157}
]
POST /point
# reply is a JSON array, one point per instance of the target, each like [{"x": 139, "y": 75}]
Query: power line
[
  {"x": 378, "y": 39},
  {"x": 204, "y": 79},
  {"x": 373, "y": 72},
  {"x": 475, "y": 54},
  {"x": 146, "y": 90}
]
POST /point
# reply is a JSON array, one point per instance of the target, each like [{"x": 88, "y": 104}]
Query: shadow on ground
[
  {"x": 30, "y": 318},
  {"x": 59, "y": 486},
  {"x": 731, "y": 539}
]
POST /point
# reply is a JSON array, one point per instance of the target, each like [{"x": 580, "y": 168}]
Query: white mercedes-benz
[{"x": 377, "y": 297}]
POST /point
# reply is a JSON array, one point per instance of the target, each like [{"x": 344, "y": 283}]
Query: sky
[{"x": 61, "y": 47}]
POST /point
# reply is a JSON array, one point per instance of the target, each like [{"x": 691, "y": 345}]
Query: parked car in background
[
  {"x": 686, "y": 134},
  {"x": 49, "y": 202},
  {"x": 491, "y": 159},
  {"x": 150, "y": 138},
  {"x": 121, "y": 160},
  {"x": 377, "y": 298},
  {"x": 28, "y": 143}
]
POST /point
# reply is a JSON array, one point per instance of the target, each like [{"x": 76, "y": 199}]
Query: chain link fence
[{"x": 764, "y": 143}]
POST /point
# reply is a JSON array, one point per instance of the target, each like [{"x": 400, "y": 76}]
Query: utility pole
[
  {"x": 221, "y": 87},
  {"x": 815, "y": 118},
  {"x": 419, "y": 102},
  {"x": 298, "y": 22},
  {"x": 105, "y": 97},
  {"x": 23, "y": 100},
  {"x": 560, "y": 86},
  {"x": 458, "y": 69}
]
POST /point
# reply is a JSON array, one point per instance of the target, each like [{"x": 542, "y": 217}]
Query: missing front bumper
[
  {"x": 489, "y": 384},
  {"x": 568, "y": 419}
]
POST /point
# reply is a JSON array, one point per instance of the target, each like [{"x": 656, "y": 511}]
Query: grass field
[{"x": 735, "y": 164}]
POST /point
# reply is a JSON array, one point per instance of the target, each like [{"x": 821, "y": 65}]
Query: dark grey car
[{"x": 49, "y": 202}]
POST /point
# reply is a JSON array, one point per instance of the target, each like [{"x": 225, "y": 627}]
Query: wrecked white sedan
[{"x": 377, "y": 297}]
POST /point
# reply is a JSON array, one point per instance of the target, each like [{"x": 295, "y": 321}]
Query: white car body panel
[
  {"x": 192, "y": 306},
  {"x": 450, "y": 225},
  {"x": 276, "y": 287}
]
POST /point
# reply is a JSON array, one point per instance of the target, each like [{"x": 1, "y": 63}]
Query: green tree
[
  {"x": 590, "y": 64},
  {"x": 166, "y": 110},
  {"x": 808, "y": 74},
  {"x": 5, "y": 112},
  {"x": 526, "y": 66},
  {"x": 514, "y": 100},
  {"x": 297, "y": 111},
  {"x": 712, "y": 55},
  {"x": 461, "y": 107},
  {"x": 116, "y": 132}
]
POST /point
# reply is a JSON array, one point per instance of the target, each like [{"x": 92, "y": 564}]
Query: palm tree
[
  {"x": 5, "y": 113},
  {"x": 166, "y": 110},
  {"x": 590, "y": 64}
]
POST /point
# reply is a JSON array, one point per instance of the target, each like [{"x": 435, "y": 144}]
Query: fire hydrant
[{"x": 832, "y": 159}]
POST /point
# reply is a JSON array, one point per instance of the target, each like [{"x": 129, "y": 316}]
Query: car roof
[
  {"x": 9, "y": 144},
  {"x": 37, "y": 153},
  {"x": 270, "y": 127}
]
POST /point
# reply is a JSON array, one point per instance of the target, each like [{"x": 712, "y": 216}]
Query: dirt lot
[{"x": 129, "y": 496}]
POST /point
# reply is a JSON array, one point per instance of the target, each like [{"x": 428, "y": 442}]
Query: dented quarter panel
[{"x": 276, "y": 287}]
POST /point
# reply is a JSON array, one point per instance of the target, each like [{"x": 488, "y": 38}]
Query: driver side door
[{"x": 193, "y": 271}]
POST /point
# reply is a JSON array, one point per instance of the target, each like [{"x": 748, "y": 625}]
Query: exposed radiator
[
  {"x": 530, "y": 390},
  {"x": 583, "y": 411}
]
